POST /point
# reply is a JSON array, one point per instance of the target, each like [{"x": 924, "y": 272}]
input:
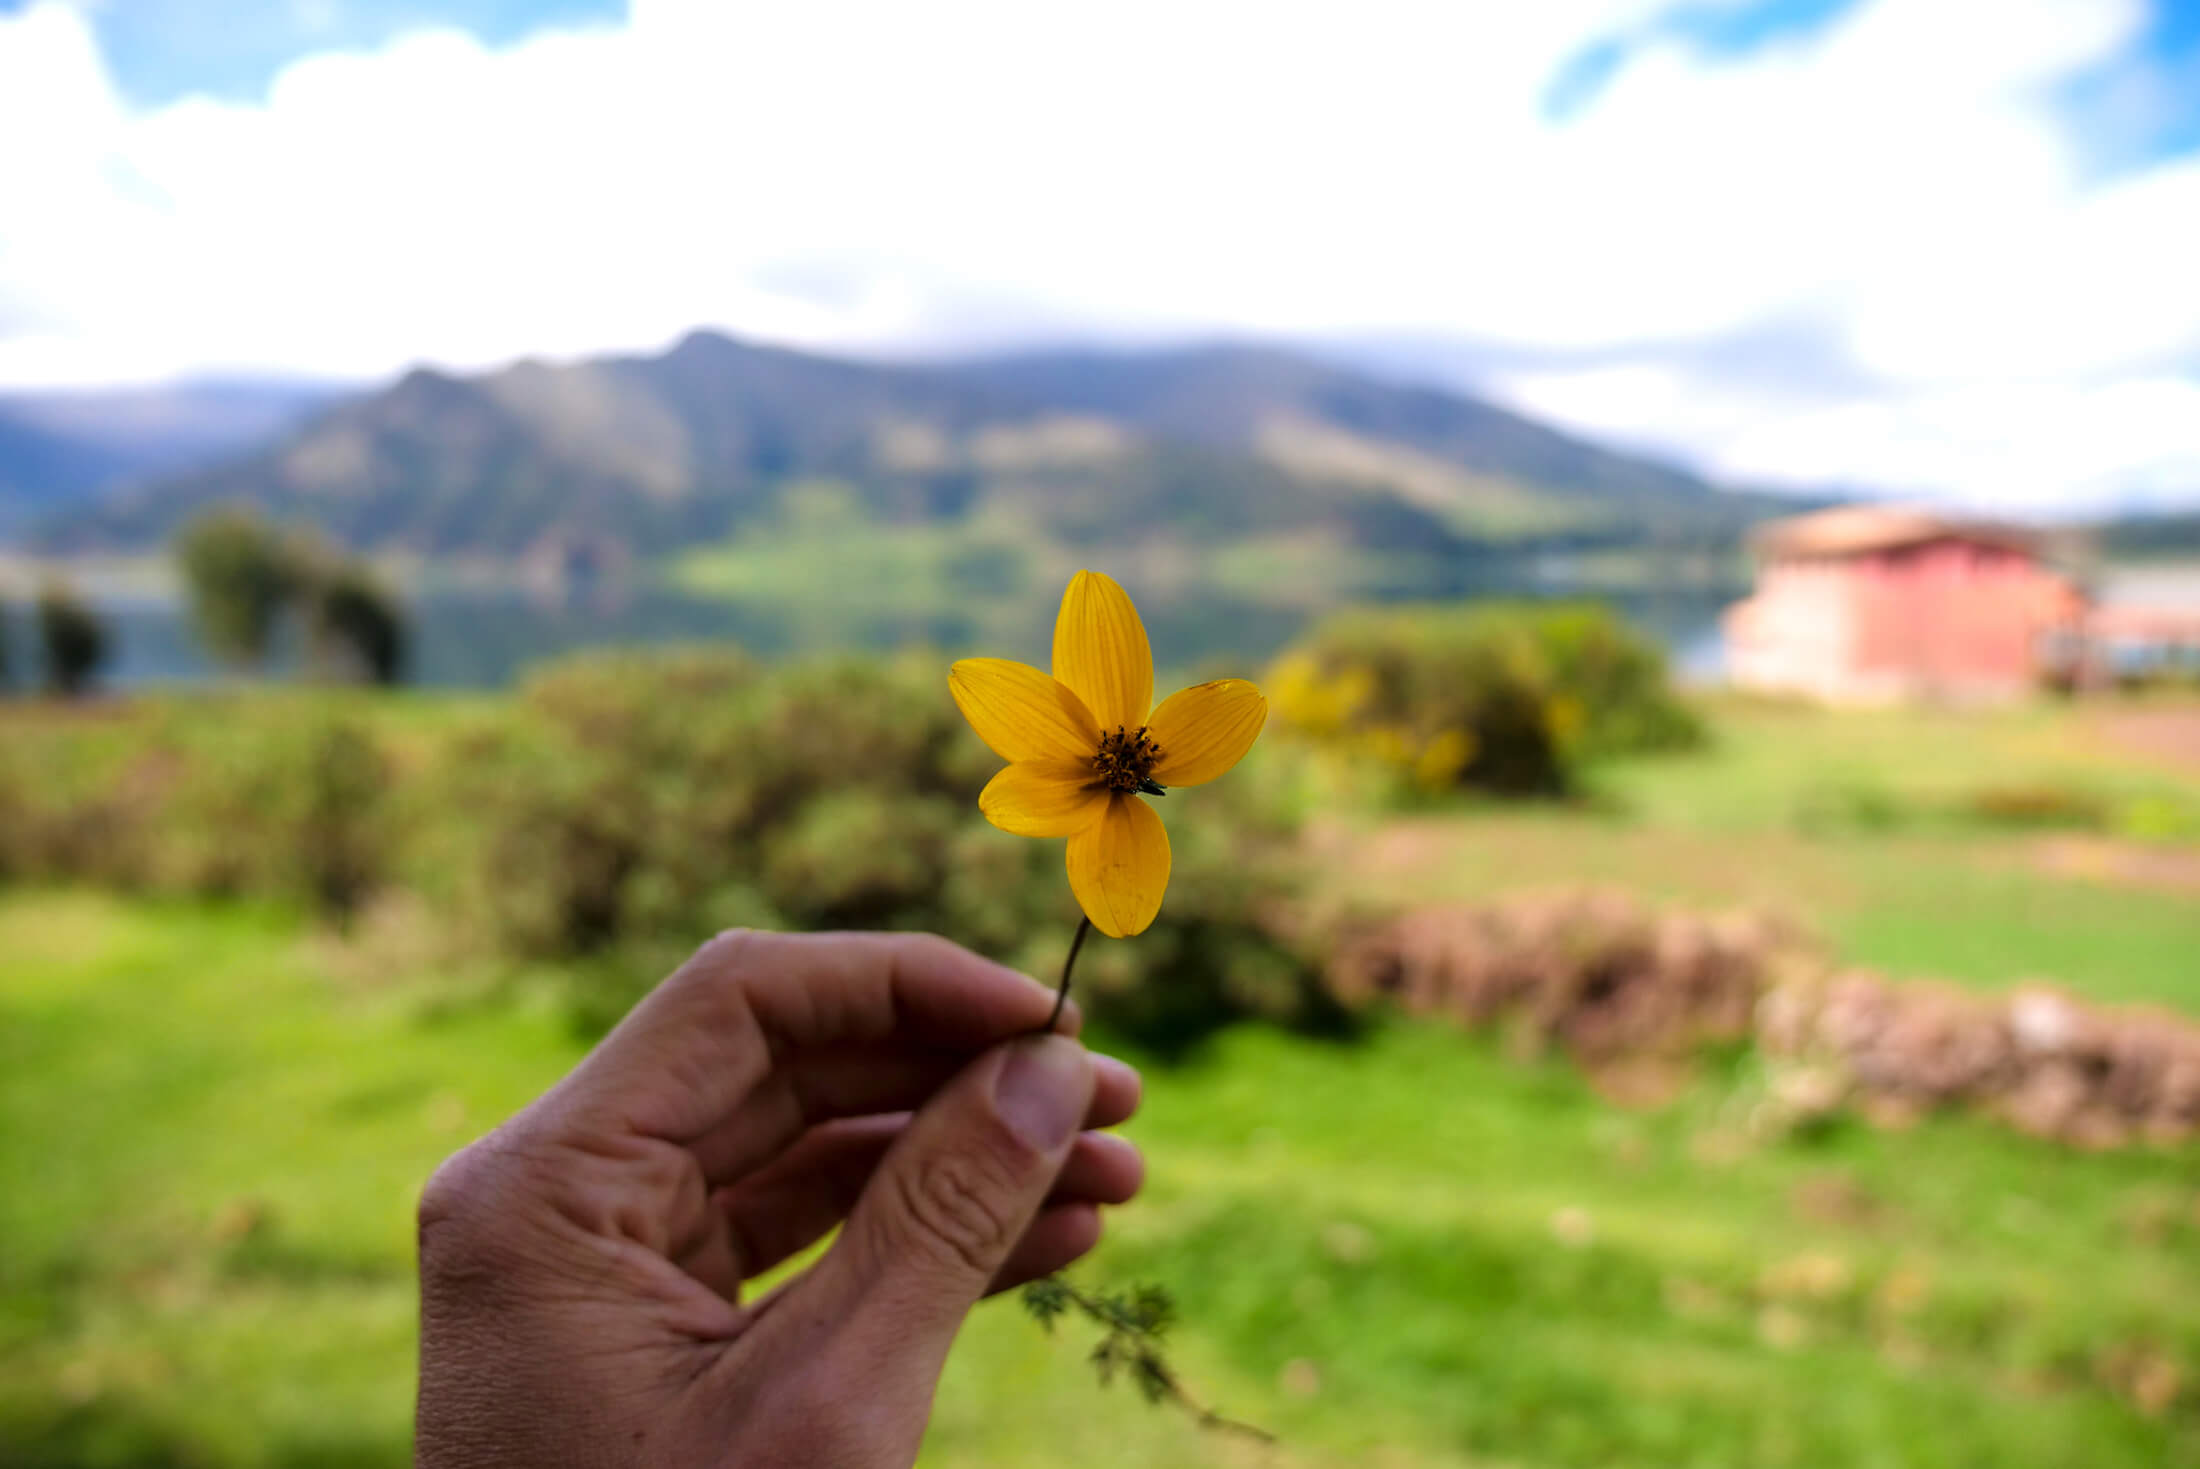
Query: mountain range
[
  {"x": 2153, "y": 535},
  {"x": 645, "y": 455},
  {"x": 61, "y": 448}
]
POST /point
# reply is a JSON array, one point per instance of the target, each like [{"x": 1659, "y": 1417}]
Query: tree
[
  {"x": 241, "y": 574},
  {"x": 74, "y": 639},
  {"x": 357, "y": 630},
  {"x": 7, "y": 649}
]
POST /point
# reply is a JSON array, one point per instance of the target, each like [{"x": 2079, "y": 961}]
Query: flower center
[{"x": 1126, "y": 761}]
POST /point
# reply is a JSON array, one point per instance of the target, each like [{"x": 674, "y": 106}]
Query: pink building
[{"x": 1872, "y": 604}]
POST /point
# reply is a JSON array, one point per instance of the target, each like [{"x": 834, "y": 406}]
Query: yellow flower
[
  {"x": 1442, "y": 758},
  {"x": 1084, "y": 744}
]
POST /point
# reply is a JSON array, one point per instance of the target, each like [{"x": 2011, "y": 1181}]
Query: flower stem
[{"x": 1061, "y": 993}]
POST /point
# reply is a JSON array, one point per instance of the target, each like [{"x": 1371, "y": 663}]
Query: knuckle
[
  {"x": 928, "y": 954},
  {"x": 962, "y": 1207},
  {"x": 710, "y": 987},
  {"x": 727, "y": 951},
  {"x": 454, "y": 1200},
  {"x": 452, "y": 1190},
  {"x": 930, "y": 946},
  {"x": 469, "y": 1201}
]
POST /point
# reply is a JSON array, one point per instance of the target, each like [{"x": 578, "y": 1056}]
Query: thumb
[{"x": 949, "y": 1201}]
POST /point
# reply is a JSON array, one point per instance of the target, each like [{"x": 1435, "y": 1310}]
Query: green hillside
[
  {"x": 639, "y": 456},
  {"x": 63, "y": 448}
]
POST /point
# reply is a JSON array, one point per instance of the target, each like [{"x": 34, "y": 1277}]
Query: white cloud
[{"x": 874, "y": 174}]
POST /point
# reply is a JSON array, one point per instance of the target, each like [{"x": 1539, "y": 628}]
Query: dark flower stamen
[{"x": 1126, "y": 761}]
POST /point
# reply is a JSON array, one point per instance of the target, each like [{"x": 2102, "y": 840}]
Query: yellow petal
[
  {"x": 1100, "y": 651},
  {"x": 1044, "y": 798},
  {"x": 1119, "y": 867},
  {"x": 1020, "y": 712},
  {"x": 1206, "y": 729}
]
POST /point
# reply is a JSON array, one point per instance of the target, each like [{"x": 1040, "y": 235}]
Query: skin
[{"x": 582, "y": 1268}]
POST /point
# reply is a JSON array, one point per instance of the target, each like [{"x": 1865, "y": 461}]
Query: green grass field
[
  {"x": 1410, "y": 1251},
  {"x": 1859, "y": 827},
  {"x": 1407, "y": 1251}
]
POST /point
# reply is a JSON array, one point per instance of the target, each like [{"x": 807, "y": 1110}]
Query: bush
[
  {"x": 2040, "y": 804},
  {"x": 73, "y": 638},
  {"x": 354, "y": 629},
  {"x": 248, "y": 576},
  {"x": 1509, "y": 699},
  {"x": 241, "y": 573},
  {"x": 619, "y": 809},
  {"x": 625, "y": 807},
  {"x": 2157, "y": 818},
  {"x": 291, "y": 804}
]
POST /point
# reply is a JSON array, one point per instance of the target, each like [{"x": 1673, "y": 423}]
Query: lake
[{"x": 482, "y": 634}]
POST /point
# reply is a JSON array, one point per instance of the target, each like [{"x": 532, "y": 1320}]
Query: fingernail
[{"x": 1042, "y": 1090}]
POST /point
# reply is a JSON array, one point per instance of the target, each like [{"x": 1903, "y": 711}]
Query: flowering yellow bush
[{"x": 1501, "y": 698}]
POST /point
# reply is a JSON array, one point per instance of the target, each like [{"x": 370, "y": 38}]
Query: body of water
[{"x": 484, "y": 636}]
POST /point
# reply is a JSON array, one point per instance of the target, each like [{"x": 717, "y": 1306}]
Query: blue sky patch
[
  {"x": 2144, "y": 105},
  {"x": 1715, "y": 32},
  {"x": 161, "y": 50},
  {"x": 2131, "y": 111}
]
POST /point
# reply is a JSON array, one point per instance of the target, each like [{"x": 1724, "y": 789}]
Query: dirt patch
[
  {"x": 2172, "y": 735},
  {"x": 1503, "y": 853},
  {"x": 1401, "y": 847},
  {"x": 2161, "y": 869}
]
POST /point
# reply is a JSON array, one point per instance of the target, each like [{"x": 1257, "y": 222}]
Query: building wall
[
  {"x": 1945, "y": 619},
  {"x": 1796, "y": 634}
]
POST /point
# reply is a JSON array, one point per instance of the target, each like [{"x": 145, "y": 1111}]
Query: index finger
[{"x": 697, "y": 1045}]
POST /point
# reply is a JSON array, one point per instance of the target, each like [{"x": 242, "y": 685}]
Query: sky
[{"x": 1937, "y": 248}]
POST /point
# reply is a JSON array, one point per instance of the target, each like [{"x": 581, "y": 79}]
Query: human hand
[{"x": 581, "y": 1267}]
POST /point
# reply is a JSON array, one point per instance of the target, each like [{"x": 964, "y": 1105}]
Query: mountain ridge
[
  {"x": 60, "y": 447},
  {"x": 1209, "y": 443}
]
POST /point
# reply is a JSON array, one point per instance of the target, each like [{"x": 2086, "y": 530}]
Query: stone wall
[{"x": 1610, "y": 981}]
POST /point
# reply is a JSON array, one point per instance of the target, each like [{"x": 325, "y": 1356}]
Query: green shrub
[
  {"x": 2040, "y": 804},
  {"x": 625, "y": 807},
  {"x": 860, "y": 859},
  {"x": 355, "y": 630},
  {"x": 619, "y": 809},
  {"x": 290, "y": 802},
  {"x": 73, "y": 639},
  {"x": 335, "y": 819},
  {"x": 80, "y": 796},
  {"x": 241, "y": 572},
  {"x": 2157, "y": 818},
  {"x": 1509, "y": 699},
  {"x": 1851, "y": 805}
]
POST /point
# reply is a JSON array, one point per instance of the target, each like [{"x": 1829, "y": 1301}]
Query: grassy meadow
[
  {"x": 2046, "y": 843},
  {"x": 1406, "y": 1249}
]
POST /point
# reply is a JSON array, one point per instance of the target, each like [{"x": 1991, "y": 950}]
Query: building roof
[{"x": 1854, "y": 530}]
